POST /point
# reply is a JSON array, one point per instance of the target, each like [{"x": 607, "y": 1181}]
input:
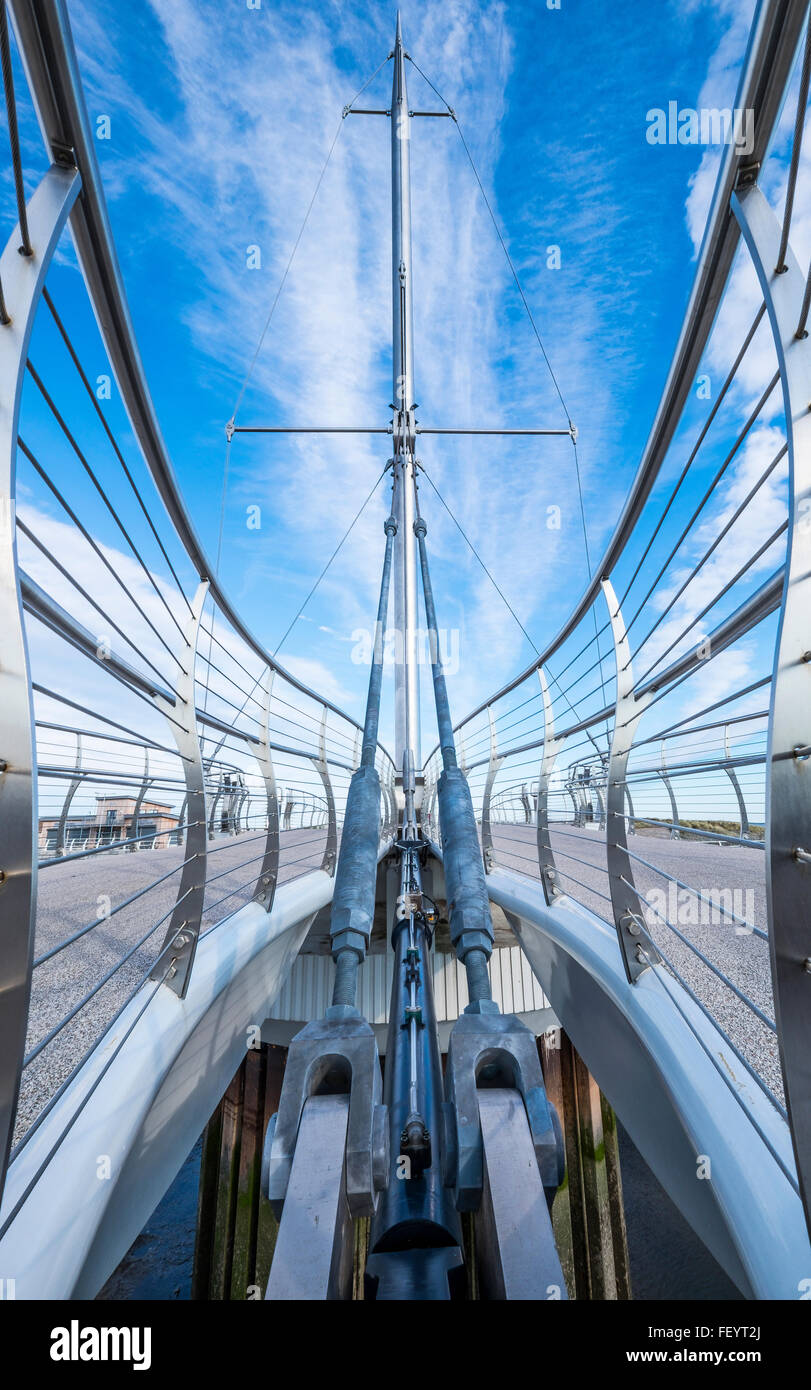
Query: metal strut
[{"x": 502, "y": 1142}]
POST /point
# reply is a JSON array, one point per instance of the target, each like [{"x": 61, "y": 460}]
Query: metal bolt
[{"x": 807, "y": 965}]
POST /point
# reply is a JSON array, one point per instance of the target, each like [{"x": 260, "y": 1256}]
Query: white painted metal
[
  {"x": 312, "y": 1259},
  {"x": 517, "y": 1255},
  {"x": 674, "y": 1083}
]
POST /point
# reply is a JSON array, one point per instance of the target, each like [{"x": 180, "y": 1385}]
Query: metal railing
[
  {"x": 662, "y": 741},
  {"x": 137, "y": 711}
]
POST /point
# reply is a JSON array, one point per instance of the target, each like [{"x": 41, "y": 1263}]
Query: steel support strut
[
  {"x": 493, "y": 1077},
  {"x": 354, "y": 897},
  {"x": 415, "y": 1240}
]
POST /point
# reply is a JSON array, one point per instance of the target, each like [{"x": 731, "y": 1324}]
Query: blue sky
[{"x": 220, "y": 119}]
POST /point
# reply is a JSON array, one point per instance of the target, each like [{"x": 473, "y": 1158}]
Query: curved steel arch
[
  {"x": 22, "y": 278},
  {"x": 788, "y": 783}
]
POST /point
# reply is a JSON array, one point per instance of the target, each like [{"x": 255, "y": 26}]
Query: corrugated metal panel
[{"x": 307, "y": 990}]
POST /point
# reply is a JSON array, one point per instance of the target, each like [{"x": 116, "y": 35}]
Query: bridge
[{"x": 611, "y": 843}]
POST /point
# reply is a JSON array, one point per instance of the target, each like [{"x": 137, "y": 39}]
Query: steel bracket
[
  {"x": 487, "y": 1051},
  {"x": 332, "y": 1056}
]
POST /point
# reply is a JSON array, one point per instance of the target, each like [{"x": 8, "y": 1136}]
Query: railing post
[
  {"x": 22, "y": 278},
  {"x": 180, "y": 944},
  {"x": 243, "y": 796},
  {"x": 139, "y": 801},
  {"x": 675, "y": 834},
  {"x": 788, "y": 765},
  {"x": 176, "y": 838},
  {"x": 636, "y": 945},
  {"x": 551, "y": 745},
  {"x": 331, "y": 847},
  {"x": 600, "y": 795},
  {"x": 73, "y": 787},
  {"x": 214, "y": 802},
  {"x": 492, "y": 773},
  {"x": 743, "y": 814},
  {"x": 269, "y": 870}
]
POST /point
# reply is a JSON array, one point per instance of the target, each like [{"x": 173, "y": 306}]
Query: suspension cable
[
  {"x": 504, "y": 598},
  {"x": 297, "y": 241},
  {"x": 535, "y": 330}
]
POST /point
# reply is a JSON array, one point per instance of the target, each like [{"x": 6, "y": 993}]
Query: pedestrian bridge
[{"x": 172, "y": 799}]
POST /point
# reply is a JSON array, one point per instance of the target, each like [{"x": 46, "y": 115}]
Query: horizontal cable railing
[
  {"x": 661, "y": 742},
  {"x": 174, "y": 770}
]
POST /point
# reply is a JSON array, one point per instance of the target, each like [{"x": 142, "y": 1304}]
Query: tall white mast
[{"x": 407, "y": 694}]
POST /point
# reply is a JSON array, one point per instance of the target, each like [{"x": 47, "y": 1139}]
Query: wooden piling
[
  {"x": 587, "y": 1213},
  {"x": 236, "y": 1228}
]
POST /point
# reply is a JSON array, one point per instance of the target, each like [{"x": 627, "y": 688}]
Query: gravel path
[{"x": 704, "y": 865}]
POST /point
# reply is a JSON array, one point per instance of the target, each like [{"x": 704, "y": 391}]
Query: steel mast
[{"x": 406, "y": 697}]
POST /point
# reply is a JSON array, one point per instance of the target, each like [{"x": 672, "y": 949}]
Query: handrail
[{"x": 770, "y": 54}]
